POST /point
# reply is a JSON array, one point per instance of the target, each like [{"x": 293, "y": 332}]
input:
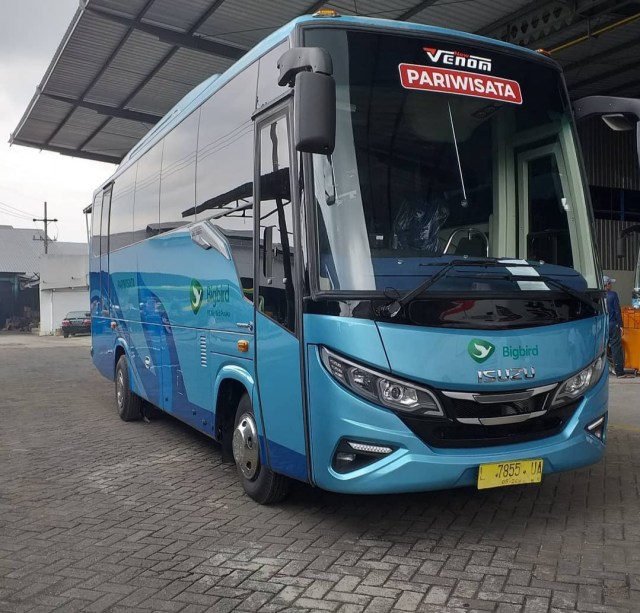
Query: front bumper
[{"x": 337, "y": 414}]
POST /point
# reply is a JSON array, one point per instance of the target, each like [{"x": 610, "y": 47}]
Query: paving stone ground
[{"x": 97, "y": 515}]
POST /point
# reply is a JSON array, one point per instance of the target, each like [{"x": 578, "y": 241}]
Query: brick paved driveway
[{"x": 99, "y": 515}]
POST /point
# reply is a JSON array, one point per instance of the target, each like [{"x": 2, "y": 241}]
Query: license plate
[{"x": 509, "y": 473}]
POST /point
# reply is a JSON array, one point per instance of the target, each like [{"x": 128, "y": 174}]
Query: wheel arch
[
  {"x": 231, "y": 383},
  {"x": 120, "y": 348}
]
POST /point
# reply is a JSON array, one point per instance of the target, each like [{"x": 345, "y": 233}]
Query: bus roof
[{"x": 209, "y": 86}]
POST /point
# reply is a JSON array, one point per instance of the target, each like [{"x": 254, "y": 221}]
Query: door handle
[{"x": 245, "y": 325}]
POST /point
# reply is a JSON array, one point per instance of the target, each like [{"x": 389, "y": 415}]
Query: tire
[
  {"x": 65, "y": 334},
  {"x": 258, "y": 481},
  {"x": 129, "y": 404}
]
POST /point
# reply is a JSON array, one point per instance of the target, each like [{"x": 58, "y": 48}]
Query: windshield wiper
[
  {"x": 393, "y": 308},
  {"x": 581, "y": 296}
]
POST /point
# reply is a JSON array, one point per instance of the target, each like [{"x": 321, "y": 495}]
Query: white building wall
[
  {"x": 55, "y": 304},
  {"x": 64, "y": 287}
]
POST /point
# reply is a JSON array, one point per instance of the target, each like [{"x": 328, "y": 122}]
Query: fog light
[
  {"x": 351, "y": 455},
  {"x": 598, "y": 428},
  {"x": 343, "y": 460}
]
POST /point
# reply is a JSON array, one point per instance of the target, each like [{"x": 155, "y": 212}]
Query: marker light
[
  {"x": 367, "y": 448},
  {"x": 579, "y": 384},
  {"x": 598, "y": 428},
  {"x": 352, "y": 455},
  {"x": 380, "y": 388},
  {"x": 326, "y": 13}
]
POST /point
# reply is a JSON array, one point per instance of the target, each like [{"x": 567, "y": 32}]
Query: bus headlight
[
  {"x": 579, "y": 384},
  {"x": 380, "y": 388}
]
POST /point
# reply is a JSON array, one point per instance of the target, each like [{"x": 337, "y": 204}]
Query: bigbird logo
[
  {"x": 480, "y": 350},
  {"x": 196, "y": 293}
]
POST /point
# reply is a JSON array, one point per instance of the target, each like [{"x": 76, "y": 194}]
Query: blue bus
[{"x": 361, "y": 258}]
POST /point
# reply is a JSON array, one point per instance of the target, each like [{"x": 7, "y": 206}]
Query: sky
[{"x": 30, "y": 32}]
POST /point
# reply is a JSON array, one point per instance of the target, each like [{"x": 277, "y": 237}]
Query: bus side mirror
[
  {"x": 619, "y": 122},
  {"x": 620, "y": 247},
  {"x": 308, "y": 70},
  {"x": 267, "y": 245},
  {"x": 314, "y": 102},
  {"x": 614, "y": 111}
]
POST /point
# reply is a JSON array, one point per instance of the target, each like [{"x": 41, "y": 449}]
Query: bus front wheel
[
  {"x": 258, "y": 481},
  {"x": 129, "y": 404}
]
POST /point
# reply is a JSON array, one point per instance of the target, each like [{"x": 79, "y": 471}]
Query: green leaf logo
[
  {"x": 196, "y": 294},
  {"x": 480, "y": 350}
]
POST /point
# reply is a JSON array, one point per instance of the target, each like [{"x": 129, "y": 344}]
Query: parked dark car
[{"x": 76, "y": 322}]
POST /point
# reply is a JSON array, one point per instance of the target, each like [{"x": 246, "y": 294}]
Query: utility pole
[{"x": 46, "y": 233}]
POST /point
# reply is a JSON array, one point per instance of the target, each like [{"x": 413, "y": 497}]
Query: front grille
[
  {"x": 469, "y": 423},
  {"x": 468, "y": 409}
]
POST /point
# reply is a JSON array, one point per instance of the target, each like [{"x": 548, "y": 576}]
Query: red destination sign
[{"x": 431, "y": 78}]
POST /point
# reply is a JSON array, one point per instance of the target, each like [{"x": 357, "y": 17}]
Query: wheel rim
[
  {"x": 245, "y": 446},
  {"x": 120, "y": 389}
]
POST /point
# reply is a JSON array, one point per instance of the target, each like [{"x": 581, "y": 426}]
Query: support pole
[{"x": 46, "y": 221}]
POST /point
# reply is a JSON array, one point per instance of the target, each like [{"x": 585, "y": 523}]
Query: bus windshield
[{"x": 446, "y": 151}]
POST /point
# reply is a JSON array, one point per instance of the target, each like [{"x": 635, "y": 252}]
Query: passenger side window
[
  {"x": 268, "y": 88},
  {"x": 146, "y": 211},
  {"x": 96, "y": 214},
  {"x": 224, "y": 181},
  {"x": 121, "y": 230},
  {"x": 277, "y": 239},
  {"x": 104, "y": 225},
  {"x": 104, "y": 251},
  {"x": 177, "y": 186}
]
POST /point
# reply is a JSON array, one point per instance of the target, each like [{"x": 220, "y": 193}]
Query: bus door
[
  {"x": 277, "y": 301},
  {"x": 102, "y": 334},
  {"x": 545, "y": 208}
]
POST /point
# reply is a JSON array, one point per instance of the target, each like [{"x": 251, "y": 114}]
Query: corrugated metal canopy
[{"x": 123, "y": 64}]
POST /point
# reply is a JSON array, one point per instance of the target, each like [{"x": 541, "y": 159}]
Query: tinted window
[
  {"x": 121, "y": 228},
  {"x": 225, "y": 146},
  {"x": 146, "y": 212},
  {"x": 277, "y": 290},
  {"x": 268, "y": 87},
  {"x": 224, "y": 182},
  {"x": 177, "y": 186},
  {"x": 96, "y": 213},
  {"x": 548, "y": 238},
  {"x": 427, "y": 166},
  {"x": 104, "y": 250},
  {"x": 104, "y": 227}
]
